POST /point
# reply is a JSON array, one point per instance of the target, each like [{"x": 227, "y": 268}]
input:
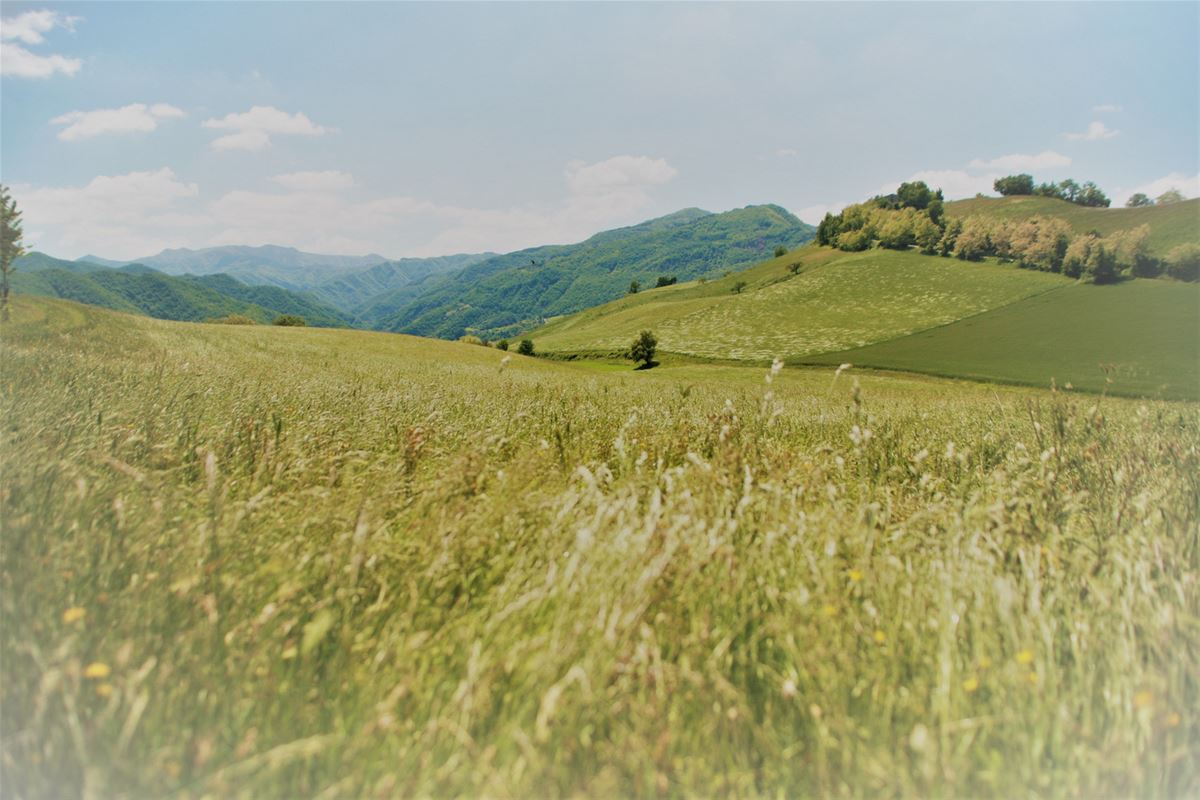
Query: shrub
[
  {"x": 634, "y": 287},
  {"x": 738, "y": 287},
  {"x": 525, "y": 348},
  {"x": 469, "y": 339},
  {"x": 502, "y": 344},
  {"x": 665, "y": 280},
  {"x": 1183, "y": 262},
  {"x": 1014, "y": 185},
  {"x": 780, "y": 251},
  {"x": 233, "y": 319},
  {"x": 290, "y": 321}
]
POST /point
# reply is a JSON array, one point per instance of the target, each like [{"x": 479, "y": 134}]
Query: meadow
[
  {"x": 260, "y": 562},
  {"x": 1138, "y": 338},
  {"x": 833, "y": 301}
]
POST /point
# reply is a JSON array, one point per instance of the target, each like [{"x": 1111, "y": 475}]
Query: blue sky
[{"x": 421, "y": 129}]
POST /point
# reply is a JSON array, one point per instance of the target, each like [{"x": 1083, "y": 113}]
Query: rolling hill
[
  {"x": 353, "y": 292},
  {"x": 137, "y": 289},
  {"x": 1170, "y": 225},
  {"x": 501, "y": 295}
]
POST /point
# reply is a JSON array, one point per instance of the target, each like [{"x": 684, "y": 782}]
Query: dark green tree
[
  {"x": 502, "y": 344},
  {"x": 634, "y": 287},
  {"x": 525, "y": 348},
  {"x": 1170, "y": 196},
  {"x": 1138, "y": 200},
  {"x": 915, "y": 195},
  {"x": 828, "y": 229},
  {"x": 1014, "y": 185},
  {"x": 738, "y": 287},
  {"x": 290, "y": 321},
  {"x": 10, "y": 245},
  {"x": 643, "y": 348},
  {"x": 780, "y": 251}
]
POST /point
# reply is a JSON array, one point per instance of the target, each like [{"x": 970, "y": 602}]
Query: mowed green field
[
  {"x": 1136, "y": 338},
  {"x": 266, "y": 562},
  {"x": 1170, "y": 225},
  {"x": 838, "y": 300}
]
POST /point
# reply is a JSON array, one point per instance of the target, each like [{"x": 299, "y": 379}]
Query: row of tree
[
  {"x": 913, "y": 218},
  {"x": 1083, "y": 194}
]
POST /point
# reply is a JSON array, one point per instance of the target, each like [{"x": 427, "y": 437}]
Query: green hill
[
  {"x": 834, "y": 300},
  {"x": 1141, "y": 337},
  {"x": 286, "y": 267},
  {"x": 1170, "y": 225},
  {"x": 352, "y": 293},
  {"x": 140, "y": 290},
  {"x": 501, "y": 295},
  {"x": 40, "y": 262}
]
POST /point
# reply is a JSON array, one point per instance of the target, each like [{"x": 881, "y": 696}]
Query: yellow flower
[
  {"x": 829, "y": 610},
  {"x": 74, "y": 614},
  {"x": 104, "y": 690},
  {"x": 855, "y": 575},
  {"x": 1025, "y": 657},
  {"x": 880, "y": 637},
  {"x": 1172, "y": 720},
  {"x": 97, "y": 670},
  {"x": 1032, "y": 677},
  {"x": 984, "y": 662},
  {"x": 1142, "y": 699},
  {"x": 970, "y": 685}
]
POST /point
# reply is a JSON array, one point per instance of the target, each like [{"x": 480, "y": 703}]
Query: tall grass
[{"x": 264, "y": 562}]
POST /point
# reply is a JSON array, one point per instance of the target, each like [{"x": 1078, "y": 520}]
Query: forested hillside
[{"x": 503, "y": 294}]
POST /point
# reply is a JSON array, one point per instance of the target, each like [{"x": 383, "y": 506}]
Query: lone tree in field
[
  {"x": 1139, "y": 200},
  {"x": 634, "y": 287},
  {"x": 780, "y": 251},
  {"x": 290, "y": 321},
  {"x": 525, "y": 348},
  {"x": 10, "y": 246},
  {"x": 643, "y": 348}
]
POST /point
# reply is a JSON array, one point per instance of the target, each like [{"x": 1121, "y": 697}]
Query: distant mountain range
[{"x": 485, "y": 293}]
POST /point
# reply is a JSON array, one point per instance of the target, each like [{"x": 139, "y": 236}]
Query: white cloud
[
  {"x": 1188, "y": 185},
  {"x": 136, "y": 117},
  {"x": 324, "y": 181},
  {"x": 252, "y": 129},
  {"x": 1107, "y": 108},
  {"x": 954, "y": 183},
  {"x": 28, "y": 29},
  {"x": 1095, "y": 132},
  {"x": 787, "y": 152},
  {"x": 127, "y": 216},
  {"x": 1047, "y": 159},
  {"x": 814, "y": 214},
  {"x": 121, "y": 216}
]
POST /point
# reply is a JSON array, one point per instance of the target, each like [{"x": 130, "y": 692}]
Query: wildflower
[
  {"x": 104, "y": 690},
  {"x": 1032, "y": 677},
  {"x": 880, "y": 637},
  {"x": 829, "y": 610},
  {"x": 97, "y": 670},
  {"x": 1143, "y": 699},
  {"x": 855, "y": 575},
  {"x": 776, "y": 367},
  {"x": 1172, "y": 721},
  {"x": 74, "y": 614},
  {"x": 970, "y": 685},
  {"x": 984, "y": 662},
  {"x": 1025, "y": 657},
  {"x": 789, "y": 688}
]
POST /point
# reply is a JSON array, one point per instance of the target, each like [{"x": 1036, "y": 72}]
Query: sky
[{"x": 412, "y": 129}]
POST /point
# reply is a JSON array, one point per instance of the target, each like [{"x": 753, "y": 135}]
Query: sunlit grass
[{"x": 266, "y": 562}]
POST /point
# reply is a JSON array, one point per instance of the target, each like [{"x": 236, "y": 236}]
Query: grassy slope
[
  {"x": 1170, "y": 225},
  {"x": 337, "y": 563},
  {"x": 837, "y": 300},
  {"x": 1146, "y": 334}
]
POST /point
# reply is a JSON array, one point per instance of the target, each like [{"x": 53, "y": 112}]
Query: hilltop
[{"x": 501, "y": 295}]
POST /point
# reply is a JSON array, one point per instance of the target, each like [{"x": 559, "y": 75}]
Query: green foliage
[
  {"x": 470, "y": 339},
  {"x": 1183, "y": 262},
  {"x": 525, "y": 348},
  {"x": 1170, "y": 196},
  {"x": 1014, "y": 185},
  {"x": 504, "y": 295},
  {"x": 780, "y": 250},
  {"x": 738, "y": 287},
  {"x": 233, "y": 319},
  {"x": 355, "y": 292},
  {"x": 289, "y": 321},
  {"x": 502, "y": 344},
  {"x": 10, "y": 246},
  {"x": 634, "y": 287},
  {"x": 643, "y": 347},
  {"x": 665, "y": 280},
  {"x": 1138, "y": 200},
  {"x": 244, "y": 562}
]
